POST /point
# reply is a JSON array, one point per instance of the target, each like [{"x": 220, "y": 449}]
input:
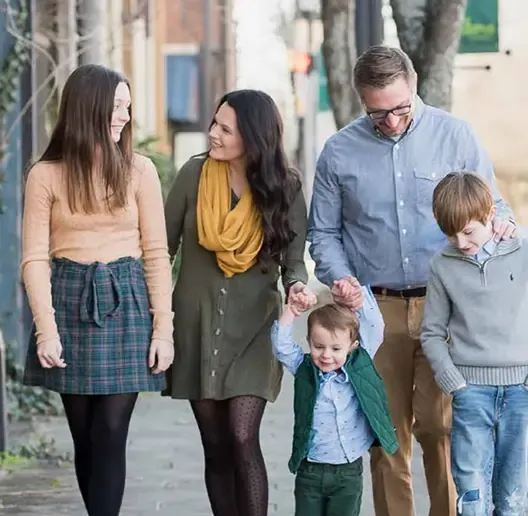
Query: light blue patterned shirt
[
  {"x": 341, "y": 432},
  {"x": 371, "y": 210}
]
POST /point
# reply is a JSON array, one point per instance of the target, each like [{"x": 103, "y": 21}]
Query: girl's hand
[
  {"x": 161, "y": 355},
  {"x": 49, "y": 354}
]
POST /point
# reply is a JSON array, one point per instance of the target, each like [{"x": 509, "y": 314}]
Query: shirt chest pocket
[{"x": 425, "y": 181}]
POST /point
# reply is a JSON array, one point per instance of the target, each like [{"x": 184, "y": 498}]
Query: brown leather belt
[{"x": 404, "y": 294}]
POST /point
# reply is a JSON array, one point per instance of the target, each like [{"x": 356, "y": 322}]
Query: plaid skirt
[{"x": 105, "y": 326}]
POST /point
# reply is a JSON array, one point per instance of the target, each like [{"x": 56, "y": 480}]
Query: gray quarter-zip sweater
[{"x": 475, "y": 327}]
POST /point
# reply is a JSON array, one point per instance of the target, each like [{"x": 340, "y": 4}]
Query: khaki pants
[{"x": 418, "y": 407}]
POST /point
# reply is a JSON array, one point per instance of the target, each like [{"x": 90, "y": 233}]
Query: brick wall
[{"x": 185, "y": 21}]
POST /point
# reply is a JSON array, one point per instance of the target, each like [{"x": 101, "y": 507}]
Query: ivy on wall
[
  {"x": 13, "y": 65},
  {"x": 22, "y": 401}
]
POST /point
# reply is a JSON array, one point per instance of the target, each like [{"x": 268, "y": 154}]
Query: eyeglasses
[{"x": 382, "y": 114}]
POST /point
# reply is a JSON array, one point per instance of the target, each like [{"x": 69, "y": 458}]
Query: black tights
[
  {"x": 99, "y": 427},
  {"x": 235, "y": 473}
]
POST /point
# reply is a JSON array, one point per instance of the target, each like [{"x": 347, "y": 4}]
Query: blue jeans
[{"x": 489, "y": 447}]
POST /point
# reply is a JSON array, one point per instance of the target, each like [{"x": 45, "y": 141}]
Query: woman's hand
[
  {"x": 300, "y": 298},
  {"x": 161, "y": 355}
]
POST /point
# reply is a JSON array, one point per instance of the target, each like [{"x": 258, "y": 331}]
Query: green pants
[{"x": 328, "y": 489}]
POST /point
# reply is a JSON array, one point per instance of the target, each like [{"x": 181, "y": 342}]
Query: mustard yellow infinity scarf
[{"x": 235, "y": 235}]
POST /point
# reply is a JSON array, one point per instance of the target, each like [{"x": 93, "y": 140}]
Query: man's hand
[
  {"x": 49, "y": 354},
  {"x": 503, "y": 229},
  {"x": 300, "y": 298},
  {"x": 161, "y": 355},
  {"x": 348, "y": 292}
]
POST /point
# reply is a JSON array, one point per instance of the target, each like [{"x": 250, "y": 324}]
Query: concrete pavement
[{"x": 165, "y": 466}]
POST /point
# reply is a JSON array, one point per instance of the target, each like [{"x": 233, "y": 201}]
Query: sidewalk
[{"x": 165, "y": 465}]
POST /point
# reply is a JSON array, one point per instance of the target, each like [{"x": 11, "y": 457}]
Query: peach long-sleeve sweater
[{"x": 51, "y": 230}]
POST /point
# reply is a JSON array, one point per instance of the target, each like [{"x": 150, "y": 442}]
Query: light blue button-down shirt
[
  {"x": 341, "y": 432},
  {"x": 371, "y": 211},
  {"x": 486, "y": 251}
]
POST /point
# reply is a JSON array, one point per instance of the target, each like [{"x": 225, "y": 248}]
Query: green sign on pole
[
  {"x": 480, "y": 32},
  {"x": 324, "y": 102}
]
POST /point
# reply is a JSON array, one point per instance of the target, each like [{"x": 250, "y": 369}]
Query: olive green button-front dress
[{"x": 222, "y": 325}]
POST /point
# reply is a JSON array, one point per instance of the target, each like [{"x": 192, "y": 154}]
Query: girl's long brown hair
[{"x": 82, "y": 141}]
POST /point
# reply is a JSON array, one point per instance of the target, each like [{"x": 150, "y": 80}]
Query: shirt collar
[
  {"x": 490, "y": 246},
  {"x": 340, "y": 376},
  {"x": 499, "y": 248}
]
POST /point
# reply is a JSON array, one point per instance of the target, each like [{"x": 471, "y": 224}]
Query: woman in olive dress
[{"x": 239, "y": 215}]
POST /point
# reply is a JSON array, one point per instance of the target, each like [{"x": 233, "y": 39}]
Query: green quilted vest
[{"x": 369, "y": 390}]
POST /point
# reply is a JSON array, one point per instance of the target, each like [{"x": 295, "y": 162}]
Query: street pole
[
  {"x": 67, "y": 41},
  {"x": 207, "y": 66},
  {"x": 228, "y": 47},
  {"x": 376, "y": 19},
  {"x": 309, "y": 11},
  {"x": 92, "y": 15},
  {"x": 3, "y": 395},
  {"x": 28, "y": 150},
  {"x": 368, "y": 24},
  {"x": 310, "y": 116}
]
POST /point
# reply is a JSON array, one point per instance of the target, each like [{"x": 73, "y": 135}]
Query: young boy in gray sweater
[{"x": 475, "y": 336}]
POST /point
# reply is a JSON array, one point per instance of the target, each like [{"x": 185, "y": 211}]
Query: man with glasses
[{"x": 371, "y": 218}]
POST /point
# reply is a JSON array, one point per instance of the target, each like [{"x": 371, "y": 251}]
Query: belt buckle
[
  {"x": 383, "y": 291},
  {"x": 403, "y": 295}
]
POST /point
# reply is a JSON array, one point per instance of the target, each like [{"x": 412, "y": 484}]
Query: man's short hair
[
  {"x": 333, "y": 317},
  {"x": 459, "y": 198},
  {"x": 380, "y": 66}
]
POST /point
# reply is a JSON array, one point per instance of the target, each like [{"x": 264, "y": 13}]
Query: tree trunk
[
  {"x": 339, "y": 51},
  {"x": 429, "y": 32}
]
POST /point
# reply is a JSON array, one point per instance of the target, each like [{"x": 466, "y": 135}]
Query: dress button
[
  {"x": 215, "y": 352},
  {"x": 217, "y": 331},
  {"x": 220, "y": 312},
  {"x": 223, "y": 291},
  {"x": 213, "y": 373}
]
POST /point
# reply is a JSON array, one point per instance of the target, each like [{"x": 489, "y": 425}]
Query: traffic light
[{"x": 301, "y": 62}]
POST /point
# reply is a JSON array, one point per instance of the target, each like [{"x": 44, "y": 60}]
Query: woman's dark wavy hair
[
  {"x": 83, "y": 131},
  {"x": 273, "y": 183}
]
